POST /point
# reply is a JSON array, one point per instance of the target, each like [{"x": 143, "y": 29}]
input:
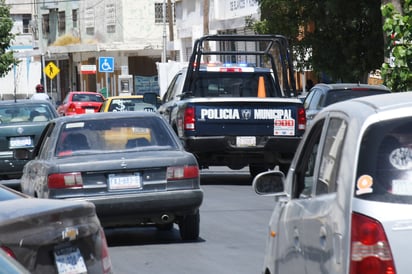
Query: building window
[
  {"x": 46, "y": 25},
  {"x": 110, "y": 18},
  {"x": 26, "y": 23},
  {"x": 74, "y": 18},
  {"x": 159, "y": 13},
  {"x": 89, "y": 21},
  {"x": 62, "y": 22}
]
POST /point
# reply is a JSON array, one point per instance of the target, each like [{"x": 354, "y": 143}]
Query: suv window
[
  {"x": 331, "y": 156},
  {"x": 305, "y": 168},
  {"x": 385, "y": 162},
  {"x": 338, "y": 95}
]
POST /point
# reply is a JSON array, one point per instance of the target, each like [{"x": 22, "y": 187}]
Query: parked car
[
  {"x": 346, "y": 203},
  {"x": 128, "y": 103},
  {"x": 21, "y": 124},
  {"x": 80, "y": 102},
  {"x": 322, "y": 95},
  {"x": 131, "y": 165},
  {"x": 52, "y": 236}
]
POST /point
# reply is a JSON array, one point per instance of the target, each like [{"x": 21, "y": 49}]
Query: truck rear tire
[
  {"x": 255, "y": 169},
  {"x": 189, "y": 227}
]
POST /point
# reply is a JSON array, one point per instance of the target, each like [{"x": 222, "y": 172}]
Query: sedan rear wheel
[{"x": 189, "y": 227}]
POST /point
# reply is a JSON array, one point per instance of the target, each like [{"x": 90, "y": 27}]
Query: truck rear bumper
[{"x": 223, "y": 151}]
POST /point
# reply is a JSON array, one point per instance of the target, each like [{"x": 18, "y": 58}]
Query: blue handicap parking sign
[{"x": 106, "y": 64}]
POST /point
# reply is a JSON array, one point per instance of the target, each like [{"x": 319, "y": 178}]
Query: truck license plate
[
  {"x": 124, "y": 181},
  {"x": 69, "y": 260},
  {"x": 245, "y": 141},
  {"x": 24, "y": 141}
]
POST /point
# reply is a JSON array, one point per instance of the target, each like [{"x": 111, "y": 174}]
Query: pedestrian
[{"x": 40, "y": 95}]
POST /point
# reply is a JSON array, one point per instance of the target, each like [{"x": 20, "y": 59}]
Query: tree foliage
[
  {"x": 344, "y": 36},
  {"x": 397, "y": 71},
  {"x": 6, "y": 23}
]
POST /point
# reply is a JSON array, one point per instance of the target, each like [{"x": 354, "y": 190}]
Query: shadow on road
[
  {"x": 143, "y": 236},
  {"x": 227, "y": 177}
]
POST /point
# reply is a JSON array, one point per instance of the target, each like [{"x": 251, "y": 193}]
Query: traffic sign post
[
  {"x": 51, "y": 70},
  {"x": 106, "y": 65}
]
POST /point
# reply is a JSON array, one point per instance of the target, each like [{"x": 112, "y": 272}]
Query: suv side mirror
[{"x": 271, "y": 183}]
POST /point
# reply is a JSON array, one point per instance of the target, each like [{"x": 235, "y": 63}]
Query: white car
[{"x": 345, "y": 205}]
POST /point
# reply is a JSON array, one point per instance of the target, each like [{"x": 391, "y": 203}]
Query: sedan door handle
[{"x": 323, "y": 237}]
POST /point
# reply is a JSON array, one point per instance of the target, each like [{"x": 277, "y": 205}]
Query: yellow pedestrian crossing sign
[{"x": 51, "y": 70}]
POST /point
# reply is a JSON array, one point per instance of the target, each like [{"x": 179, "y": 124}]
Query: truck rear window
[
  {"x": 385, "y": 162},
  {"x": 224, "y": 84}
]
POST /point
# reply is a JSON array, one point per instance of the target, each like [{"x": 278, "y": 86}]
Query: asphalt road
[{"x": 233, "y": 233}]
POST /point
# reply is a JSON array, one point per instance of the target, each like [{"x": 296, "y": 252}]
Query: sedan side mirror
[{"x": 271, "y": 183}]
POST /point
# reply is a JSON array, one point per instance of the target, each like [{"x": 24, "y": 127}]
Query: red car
[{"x": 80, "y": 102}]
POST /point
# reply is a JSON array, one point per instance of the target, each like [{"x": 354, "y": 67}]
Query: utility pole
[
  {"x": 164, "y": 32},
  {"x": 170, "y": 17},
  {"x": 41, "y": 47},
  {"x": 206, "y": 26}
]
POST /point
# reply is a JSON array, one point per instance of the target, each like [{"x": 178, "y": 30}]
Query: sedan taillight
[
  {"x": 370, "y": 250},
  {"x": 106, "y": 263},
  {"x": 8, "y": 251},
  {"x": 71, "y": 108},
  {"x": 65, "y": 180},
  {"x": 182, "y": 172}
]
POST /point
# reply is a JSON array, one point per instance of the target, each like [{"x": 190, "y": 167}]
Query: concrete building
[{"x": 77, "y": 36}]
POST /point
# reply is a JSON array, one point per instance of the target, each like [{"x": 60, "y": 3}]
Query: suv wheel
[{"x": 189, "y": 227}]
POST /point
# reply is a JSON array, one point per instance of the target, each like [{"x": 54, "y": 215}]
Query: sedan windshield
[
  {"x": 99, "y": 136},
  {"x": 385, "y": 162}
]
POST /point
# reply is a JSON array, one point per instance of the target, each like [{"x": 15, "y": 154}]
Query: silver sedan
[{"x": 131, "y": 165}]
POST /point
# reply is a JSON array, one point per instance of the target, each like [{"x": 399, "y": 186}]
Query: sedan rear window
[
  {"x": 103, "y": 135},
  {"x": 385, "y": 162},
  {"x": 25, "y": 113}
]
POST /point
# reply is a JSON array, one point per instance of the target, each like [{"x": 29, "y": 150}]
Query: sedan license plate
[
  {"x": 69, "y": 260},
  {"x": 124, "y": 181},
  {"x": 24, "y": 141},
  {"x": 245, "y": 141},
  {"x": 89, "y": 110}
]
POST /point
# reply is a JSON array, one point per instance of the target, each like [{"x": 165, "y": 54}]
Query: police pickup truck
[{"x": 235, "y": 105}]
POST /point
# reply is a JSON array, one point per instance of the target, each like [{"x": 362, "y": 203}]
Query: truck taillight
[
  {"x": 370, "y": 250},
  {"x": 65, "y": 180},
  {"x": 182, "y": 172},
  {"x": 301, "y": 118},
  {"x": 106, "y": 262},
  {"x": 189, "y": 118}
]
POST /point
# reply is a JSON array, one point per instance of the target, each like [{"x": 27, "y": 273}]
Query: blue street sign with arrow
[{"x": 106, "y": 64}]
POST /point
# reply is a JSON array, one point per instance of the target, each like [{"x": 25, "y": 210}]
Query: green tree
[
  {"x": 397, "y": 70},
  {"x": 344, "y": 36},
  {"x": 7, "y": 59}
]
